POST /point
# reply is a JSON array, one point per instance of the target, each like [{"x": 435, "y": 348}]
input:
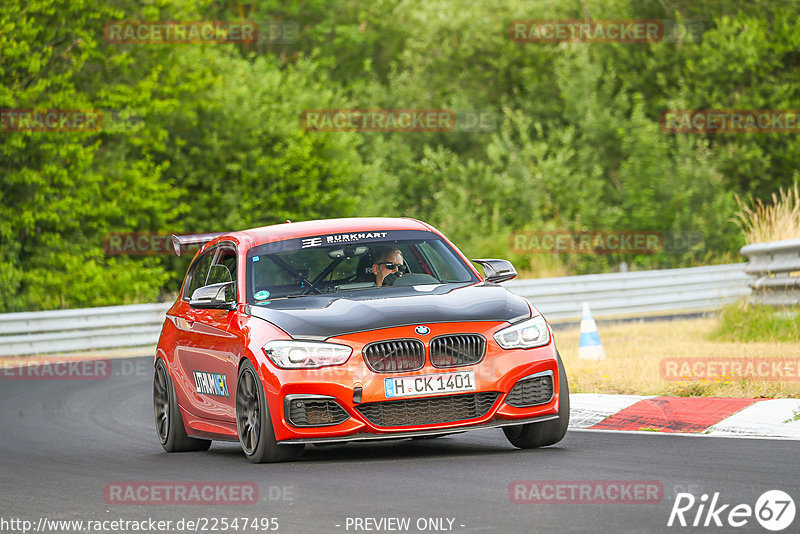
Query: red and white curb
[{"x": 714, "y": 416}]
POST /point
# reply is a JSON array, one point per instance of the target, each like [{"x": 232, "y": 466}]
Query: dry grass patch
[
  {"x": 771, "y": 222},
  {"x": 635, "y": 350}
]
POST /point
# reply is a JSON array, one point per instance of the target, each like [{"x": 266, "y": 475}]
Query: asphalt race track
[{"x": 63, "y": 441}]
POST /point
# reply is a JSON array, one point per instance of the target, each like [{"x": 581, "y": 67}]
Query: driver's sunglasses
[{"x": 392, "y": 266}]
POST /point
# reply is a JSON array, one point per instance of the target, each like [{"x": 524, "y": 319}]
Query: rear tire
[
  {"x": 169, "y": 422},
  {"x": 254, "y": 424},
  {"x": 534, "y": 435}
]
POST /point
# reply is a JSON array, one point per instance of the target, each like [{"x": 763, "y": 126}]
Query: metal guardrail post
[{"x": 775, "y": 270}]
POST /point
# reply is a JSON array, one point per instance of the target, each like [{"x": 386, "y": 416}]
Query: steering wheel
[{"x": 390, "y": 279}]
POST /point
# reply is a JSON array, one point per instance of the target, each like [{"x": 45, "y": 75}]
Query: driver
[{"x": 389, "y": 260}]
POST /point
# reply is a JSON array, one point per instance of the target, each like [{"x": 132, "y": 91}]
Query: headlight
[
  {"x": 306, "y": 354},
  {"x": 529, "y": 333}
]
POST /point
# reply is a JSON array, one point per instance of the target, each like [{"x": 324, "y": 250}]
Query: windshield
[{"x": 347, "y": 262}]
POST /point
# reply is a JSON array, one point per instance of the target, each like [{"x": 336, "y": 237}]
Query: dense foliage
[{"x": 209, "y": 136}]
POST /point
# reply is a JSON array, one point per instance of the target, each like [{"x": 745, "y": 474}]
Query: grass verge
[
  {"x": 635, "y": 350},
  {"x": 744, "y": 322}
]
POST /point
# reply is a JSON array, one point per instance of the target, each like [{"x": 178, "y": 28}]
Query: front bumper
[{"x": 354, "y": 385}]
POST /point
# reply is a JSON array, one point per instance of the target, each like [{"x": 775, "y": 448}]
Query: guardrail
[
  {"x": 615, "y": 294},
  {"x": 775, "y": 270},
  {"x": 674, "y": 291},
  {"x": 138, "y": 325}
]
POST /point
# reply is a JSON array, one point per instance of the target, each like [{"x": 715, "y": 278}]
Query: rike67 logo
[{"x": 774, "y": 510}]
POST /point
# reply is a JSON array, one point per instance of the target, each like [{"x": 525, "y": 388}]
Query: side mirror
[
  {"x": 497, "y": 270},
  {"x": 213, "y": 297}
]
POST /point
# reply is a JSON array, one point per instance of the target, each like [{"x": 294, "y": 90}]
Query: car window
[
  {"x": 224, "y": 267},
  {"x": 198, "y": 273},
  {"x": 207, "y": 270},
  {"x": 345, "y": 269},
  {"x": 304, "y": 267},
  {"x": 436, "y": 253},
  {"x": 291, "y": 270}
]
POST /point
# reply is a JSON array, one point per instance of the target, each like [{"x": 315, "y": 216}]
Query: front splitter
[{"x": 364, "y": 436}]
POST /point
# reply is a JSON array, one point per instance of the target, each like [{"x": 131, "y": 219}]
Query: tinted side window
[
  {"x": 198, "y": 273},
  {"x": 447, "y": 271},
  {"x": 224, "y": 268}
]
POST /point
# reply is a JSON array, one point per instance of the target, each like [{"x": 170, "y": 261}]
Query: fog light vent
[{"x": 314, "y": 410}]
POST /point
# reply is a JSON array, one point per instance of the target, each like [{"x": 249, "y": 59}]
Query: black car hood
[{"x": 324, "y": 316}]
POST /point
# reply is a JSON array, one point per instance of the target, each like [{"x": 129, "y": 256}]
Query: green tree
[{"x": 61, "y": 192}]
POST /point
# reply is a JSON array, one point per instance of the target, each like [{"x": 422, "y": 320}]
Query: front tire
[
  {"x": 534, "y": 435},
  {"x": 169, "y": 422},
  {"x": 254, "y": 423}
]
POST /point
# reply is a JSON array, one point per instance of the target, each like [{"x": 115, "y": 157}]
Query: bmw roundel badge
[{"x": 422, "y": 330}]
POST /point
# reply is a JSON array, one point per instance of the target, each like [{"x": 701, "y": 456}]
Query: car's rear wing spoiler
[{"x": 186, "y": 240}]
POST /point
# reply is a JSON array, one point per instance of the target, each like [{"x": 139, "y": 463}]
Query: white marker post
[{"x": 590, "y": 347}]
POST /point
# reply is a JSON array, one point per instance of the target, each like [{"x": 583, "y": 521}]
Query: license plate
[{"x": 407, "y": 386}]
